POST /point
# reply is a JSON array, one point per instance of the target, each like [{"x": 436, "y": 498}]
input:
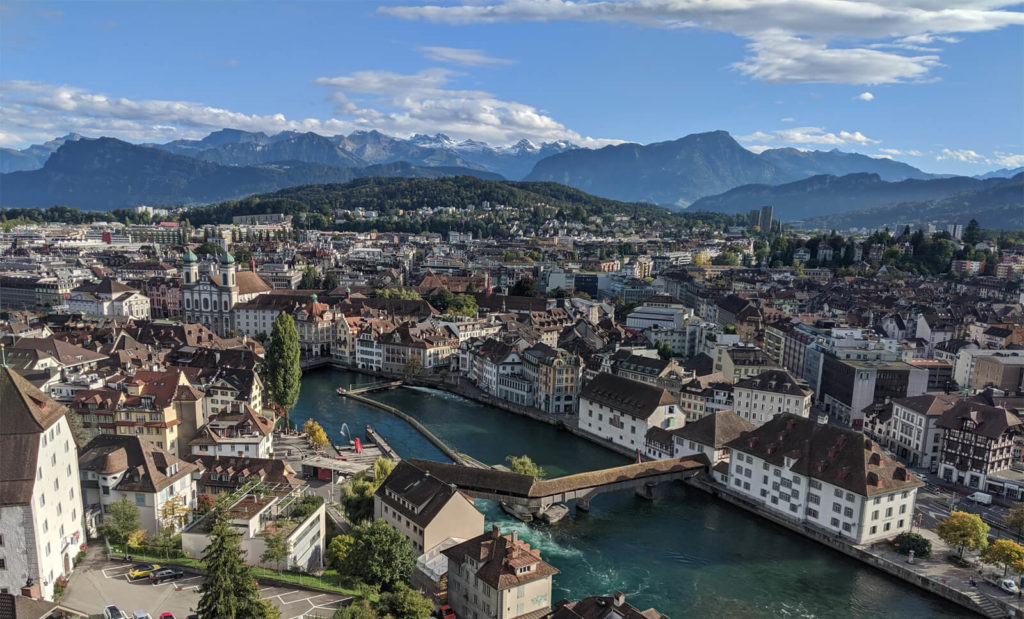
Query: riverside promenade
[{"x": 935, "y": 574}]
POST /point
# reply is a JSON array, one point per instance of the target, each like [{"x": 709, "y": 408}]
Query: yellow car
[{"x": 142, "y": 570}]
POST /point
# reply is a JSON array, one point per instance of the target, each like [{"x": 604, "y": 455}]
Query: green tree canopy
[
  {"x": 406, "y": 602},
  {"x": 284, "y": 374},
  {"x": 379, "y": 556},
  {"x": 230, "y": 590},
  {"x": 525, "y": 466},
  {"x": 1005, "y": 553},
  {"x": 905, "y": 542},
  {"x": 278, "y": 548},
  {"x": 1014, "y": 520},
  {"x": 120, "y": 521},
  {"x": 963, "y": 531},
  {"x": 310, "y": 279}
]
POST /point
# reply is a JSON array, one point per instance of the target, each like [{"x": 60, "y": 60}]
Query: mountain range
[
  {"x": 106, "y": 173},
  {"x": 709, "y": 171}
]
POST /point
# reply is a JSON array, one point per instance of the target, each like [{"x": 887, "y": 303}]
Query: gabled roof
[
  {"x": 426, "y": 494},
  {"x": 988, "y": 421},
  {"x": 25, "y": 413},
  {"x": 838, "y": 456},
  {"x": 148, "y": 468},
  {"x": 775, "y": 381},
  {"x": 629, "y": 397},
  {"x": 715, "y": 430},
  {"x": 499, "y": 558}
]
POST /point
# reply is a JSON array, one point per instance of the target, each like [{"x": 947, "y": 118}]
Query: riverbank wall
[{"x": 976, "y": 603}]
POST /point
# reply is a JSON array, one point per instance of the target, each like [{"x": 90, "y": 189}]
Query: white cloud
[
  {"x": 789, "y": 42},
  {"x": 788, "y": 119},
  {"x": 963, "y": 155},
  {"x": 456, "y": 55},
  {"x": 866, "y": 96},
  {"x": 896, "y": 151},
  {"x": 1009, "y": 160},
  {"x": 394, "y": 103},
  {"x": 816, "y": 136}
]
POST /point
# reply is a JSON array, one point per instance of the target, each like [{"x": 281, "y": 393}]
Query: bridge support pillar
[
  {"x": 583, "y": 504},
  {"x": 646, "y": 491}
]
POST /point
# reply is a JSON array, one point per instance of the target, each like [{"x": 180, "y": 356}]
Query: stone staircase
[{"x": 987, "y": 606}]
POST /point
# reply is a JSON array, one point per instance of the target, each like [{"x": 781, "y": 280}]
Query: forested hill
[{"x": 388, "y": 196}]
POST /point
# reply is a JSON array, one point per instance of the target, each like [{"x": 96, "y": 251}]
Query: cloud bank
[
  {"x": 848, "y": 42},
  {"x": 394, "y": 103}
]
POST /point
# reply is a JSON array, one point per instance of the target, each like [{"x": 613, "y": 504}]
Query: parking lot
[{"x": 94, "y": 586}]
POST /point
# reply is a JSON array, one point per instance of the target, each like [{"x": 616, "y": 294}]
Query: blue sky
[{"x": 937, "y": 84}]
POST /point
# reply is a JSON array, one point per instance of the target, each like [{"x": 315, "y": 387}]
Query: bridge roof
[{"x": 514, "y": 484}]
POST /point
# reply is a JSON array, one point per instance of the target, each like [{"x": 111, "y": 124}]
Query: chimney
[
  {"x": 495, "y": 531},
  {"x": 619, "y": 599},
  {"x": 31, "y": 590},
  {"x": 515, "y": 536}
]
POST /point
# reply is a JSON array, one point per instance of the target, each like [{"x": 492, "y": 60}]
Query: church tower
[{"x": 190, "y": 270}]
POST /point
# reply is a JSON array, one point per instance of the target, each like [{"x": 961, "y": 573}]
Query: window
[
  {"x": 837, "y": 508},
  {"x": 813, "y": 499},
  {"x": 140, "y": 499},
  {"x": 42, "y": 500},
  {"x": 838, "y": 493},
  {"x": 848, "y": 512},
  {"x": 835, "y": 522},
  {"x": 3, "y": 564},
  {"x": 888, "y": 525},
  {"x": 814, "y": 483},
  {"x": 874, "y": 529},
  {"x": 874, "y": 515},
  {"x": 812, "y": 513}
]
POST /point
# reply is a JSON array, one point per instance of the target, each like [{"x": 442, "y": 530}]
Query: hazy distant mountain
[
  {"x": 1002, "y": 173},
  {"x": 106, "y": 173},
  {"x": 997, "y": 204},
  {"x": 33, "y": 157},
  {"x": 668, "y": 173},
  {"x": 233, "y": 147},
  {"x": 513, "y": 161},
  {"x": 797, "y": 164},
  {"x": 827, "y": 194}
]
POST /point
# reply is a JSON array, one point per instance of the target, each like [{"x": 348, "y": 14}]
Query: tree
[
  {"x": 330, "y": 281},
  {"x": 230, "y": 590},
  {"x": 78, "y": 431},
  {"x": 727, "y": 258},
  {"x": 905, "y": 542},
  {"x": 120, "y": 521},
  {"x": 413, "y": 366},
  {"x": 664, "y": 349},
  {"x": 360, "y": 608},
  {"x": 382, "y": 467},
  {"x": 463, "y": 305},
  {"x": 1006, "y": 553},
  {"x": 175, "y": 514},
  {"x": 964, "y": 531},
  {"x": 525, "y": 466},
  {"x": 1014, "y": 520},
  {"x": 337, "y": 550},
  {"x": 284, "y": 374},
  {"x": 278, "y": 548},
  {"x": 406, "y": 602},
  {"x": 525, "y": 287},
  {"x": 357, "y": 498},
  {"x": 204, "y": 503},
  {"x": 316, "y": 435},
  {"x": 379, "y": 556},
  {"x": 310, "y": 279},
  {"x": 972, "y": 233},
  {"x": 442, "y": 300},
  {"x": 701, "y": 259}
]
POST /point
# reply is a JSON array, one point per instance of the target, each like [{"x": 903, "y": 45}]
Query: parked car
[
  {"x": 166, "y": 615},
  {"x": 141, "y": 614},
  {"x": 980, "y": 497},
  {"x": 165, "y": 574},
  {"x": 113, "y": 612},
  {"x": 447, "y": 612},
  {"x": 1007, "y": 585},
  {"x": 142, "y": 570}
]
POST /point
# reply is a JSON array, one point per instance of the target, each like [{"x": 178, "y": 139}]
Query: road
[
  {"x": 95, "y": 584},
  {"x": 935, "y": 502}
]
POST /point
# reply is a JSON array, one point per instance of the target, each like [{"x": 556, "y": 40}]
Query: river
[{"x": 685, "y": 553}]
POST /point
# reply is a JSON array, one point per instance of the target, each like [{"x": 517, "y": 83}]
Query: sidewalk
[{"x": 939, "y": 568}]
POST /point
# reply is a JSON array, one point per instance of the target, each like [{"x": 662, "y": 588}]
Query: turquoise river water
[{"x": 685, "y": 553}]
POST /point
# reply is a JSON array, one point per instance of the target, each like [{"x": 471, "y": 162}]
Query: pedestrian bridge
[{"x": 536, "y": 495}]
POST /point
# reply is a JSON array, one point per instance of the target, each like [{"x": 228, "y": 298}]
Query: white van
[{"x": 980, "y": 497}]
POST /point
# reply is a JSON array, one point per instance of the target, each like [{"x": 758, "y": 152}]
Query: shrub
[{"x": 905, "y": 542}]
